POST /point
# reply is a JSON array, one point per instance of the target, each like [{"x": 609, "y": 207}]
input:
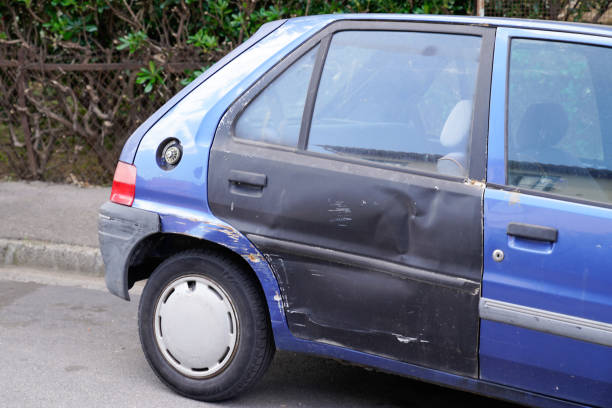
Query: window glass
[
  {"x": 399, "y": 98},
  {"x": 558, "y": 95},
  {"x": 275, "y": 115}
]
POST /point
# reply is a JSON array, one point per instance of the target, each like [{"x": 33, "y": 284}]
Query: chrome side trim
[{"x": 578, "y": 328}]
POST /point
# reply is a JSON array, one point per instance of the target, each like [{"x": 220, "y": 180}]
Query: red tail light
[{"x": 124, "y": 184}]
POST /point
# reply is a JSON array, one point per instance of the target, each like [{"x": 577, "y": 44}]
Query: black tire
[{"x": 254, "y": 347}]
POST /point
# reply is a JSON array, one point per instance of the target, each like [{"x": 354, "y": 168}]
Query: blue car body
[{"x": 520, "y": 362}]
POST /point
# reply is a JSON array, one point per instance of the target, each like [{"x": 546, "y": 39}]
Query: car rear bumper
[{"x": 120, "y": 228}]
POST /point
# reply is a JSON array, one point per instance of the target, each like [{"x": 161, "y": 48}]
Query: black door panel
[
  {"x": 332, "y": 296},
  {"x": 370, "y": 254},
  {"x": 411, "y": 222},
  {"x": 424, "y": 222}
]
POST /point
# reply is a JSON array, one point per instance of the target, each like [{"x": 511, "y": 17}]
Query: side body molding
[{"x": 545, "y": 321}]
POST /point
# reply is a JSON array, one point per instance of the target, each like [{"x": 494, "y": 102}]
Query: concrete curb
[{"x": 70, "y": 258}]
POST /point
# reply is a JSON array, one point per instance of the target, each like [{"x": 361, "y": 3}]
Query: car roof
[{"x": 564, "y": 26}]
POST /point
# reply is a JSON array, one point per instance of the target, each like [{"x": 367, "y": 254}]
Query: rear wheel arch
[{"x": 154, "y": 249}]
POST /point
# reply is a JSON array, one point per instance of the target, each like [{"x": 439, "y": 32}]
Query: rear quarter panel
[{"x": 179, "y": 196}]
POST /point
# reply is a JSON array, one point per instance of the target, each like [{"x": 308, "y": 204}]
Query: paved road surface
[{"x": 65, "y": 342}]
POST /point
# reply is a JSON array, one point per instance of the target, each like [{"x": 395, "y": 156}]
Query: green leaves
[
  {"x": 271, "y": 13},
  {"x": 132, "y": 41},
  {"x": 67, "y": 27},
  {"x": 216, "y": 25},
  {"x": 150, "y": 77},
  {"x": 193, "y": 74},
  {"x": 203, "y": 40},
  {"x": 220, "y": 7},
  {"x": 169, "y": 31}
]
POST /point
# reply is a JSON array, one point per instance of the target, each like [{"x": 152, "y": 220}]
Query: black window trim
[
  {"x": 311, "y": 94},
  {"x": 528, "y": 191},
  {"x": 480, "y": 114}
]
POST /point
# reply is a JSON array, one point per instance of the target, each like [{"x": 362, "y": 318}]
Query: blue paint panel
[
  {"x": 496, "y": 162},
  {"x": 524, "y": 358},
  {"x": 572, "y": 276}
]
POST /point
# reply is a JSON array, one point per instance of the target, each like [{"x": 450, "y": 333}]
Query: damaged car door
[{"x": 350, "y": 165}]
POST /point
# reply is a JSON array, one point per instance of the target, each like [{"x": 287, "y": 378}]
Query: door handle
[
  {"x": 247, "y": 183},
  {"x": 535, "y": 232},
  {"x": 246, "y": 177}
]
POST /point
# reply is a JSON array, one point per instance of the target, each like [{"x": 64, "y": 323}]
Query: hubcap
[{"x": 196, "y": 327}]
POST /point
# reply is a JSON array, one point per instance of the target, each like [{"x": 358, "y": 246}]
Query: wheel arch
[{"x": 152, "y": 250}]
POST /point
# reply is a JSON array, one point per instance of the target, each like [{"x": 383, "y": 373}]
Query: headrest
[
  {"x": 457, "y": 126},
  {"x": 542, "y": 125},
  {"x": 453, "y": 164}
]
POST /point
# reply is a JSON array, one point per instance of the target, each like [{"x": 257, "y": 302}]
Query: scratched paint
[
  {"x": 205, "y": 226},
  {"x": 367, "y": 310},
  {"x": 341, "y": 213}
]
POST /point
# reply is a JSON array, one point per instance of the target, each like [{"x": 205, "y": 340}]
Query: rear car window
[
  {"x": 275, "y": 115},
  {"x": 559, "y": 111},
  {"x": 398, "y": 98}
]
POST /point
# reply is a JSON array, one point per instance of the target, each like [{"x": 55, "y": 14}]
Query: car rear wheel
[{"x": 204, "y": 326}]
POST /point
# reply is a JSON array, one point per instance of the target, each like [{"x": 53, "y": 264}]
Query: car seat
[{"x": 455, "y": 135}]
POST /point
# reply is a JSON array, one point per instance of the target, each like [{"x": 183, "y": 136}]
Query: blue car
[{"x": 426, "y": 195}]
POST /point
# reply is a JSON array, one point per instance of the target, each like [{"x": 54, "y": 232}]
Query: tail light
[{"x": 124, "y": 184}]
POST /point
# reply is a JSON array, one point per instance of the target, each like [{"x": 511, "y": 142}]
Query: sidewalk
[{"x": 51, "y": 226}]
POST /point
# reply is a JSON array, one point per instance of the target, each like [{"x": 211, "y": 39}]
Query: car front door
[
  {"x": 547, "y": 289},
  {"x": 351, "y": 166}
]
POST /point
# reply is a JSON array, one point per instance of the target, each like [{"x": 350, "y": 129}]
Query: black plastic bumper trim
[{"x": 120, "y": 228}]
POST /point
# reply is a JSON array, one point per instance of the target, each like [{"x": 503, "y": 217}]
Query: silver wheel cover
[{"x": 196, "y": 327}]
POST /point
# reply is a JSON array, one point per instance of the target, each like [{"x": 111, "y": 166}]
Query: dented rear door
[{"x": 354, "y": 167}]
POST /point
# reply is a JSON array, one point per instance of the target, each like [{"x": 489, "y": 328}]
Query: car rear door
[
  {"x": 354, "y": 167},
  {"x": 547, "y": 289}
]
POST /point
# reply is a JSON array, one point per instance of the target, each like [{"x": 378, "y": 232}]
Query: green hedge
[
  {"x": 115, "y": 30},
  {"x": 63, "y": 125}
]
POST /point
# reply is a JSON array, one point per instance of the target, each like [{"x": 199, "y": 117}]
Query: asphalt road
[{"x": 66, "y": 342}]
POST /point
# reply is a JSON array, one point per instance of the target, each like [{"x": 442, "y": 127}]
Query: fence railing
[
  {"x": 589, "y": 11},
  {"x": 62, "y": 120}
]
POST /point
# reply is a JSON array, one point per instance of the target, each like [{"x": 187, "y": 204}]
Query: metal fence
[
  {"x": 68, "y": 121},
  {"x": 599, "y": 11}
]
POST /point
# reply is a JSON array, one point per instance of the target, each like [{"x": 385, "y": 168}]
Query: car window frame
[
  {"x": 266, "y": 82},
  {"x": 503, "y": 47},
  {"x": 477, "y": 152}
]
